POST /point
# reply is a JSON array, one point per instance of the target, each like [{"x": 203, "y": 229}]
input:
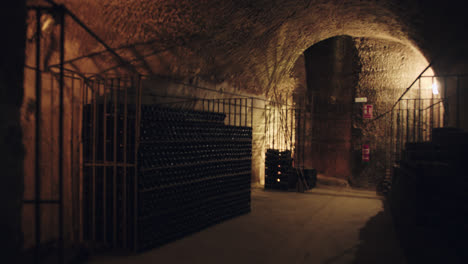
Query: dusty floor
[{"x": 326, "y": 225}]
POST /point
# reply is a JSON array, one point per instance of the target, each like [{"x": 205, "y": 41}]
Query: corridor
[{"x": 324, "y": 225}]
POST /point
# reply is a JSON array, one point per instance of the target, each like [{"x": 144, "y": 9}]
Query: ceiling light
[{"x": 435, "y": 88}]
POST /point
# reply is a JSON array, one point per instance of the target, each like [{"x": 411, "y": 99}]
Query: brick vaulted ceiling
[{"x": 249, "y": 43}]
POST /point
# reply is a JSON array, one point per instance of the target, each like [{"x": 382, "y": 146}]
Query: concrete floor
[{"x": 325, "y": 225}]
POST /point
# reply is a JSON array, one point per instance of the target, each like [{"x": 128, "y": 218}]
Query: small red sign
[
  {"x": 365, "y": 153},
  {"x": 367, "y": 111}
]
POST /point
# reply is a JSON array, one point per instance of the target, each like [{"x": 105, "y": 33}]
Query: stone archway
[{"x": 338, "y": 70}]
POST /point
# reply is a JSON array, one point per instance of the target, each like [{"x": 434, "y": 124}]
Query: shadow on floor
[
  {"x": 379, "y": 243},
  {"x": 426, "y": 242},
  {"x": 385, "y": 239}
]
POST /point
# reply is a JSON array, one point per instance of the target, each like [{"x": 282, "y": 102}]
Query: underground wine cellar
[{"x": 234, "y": 131}]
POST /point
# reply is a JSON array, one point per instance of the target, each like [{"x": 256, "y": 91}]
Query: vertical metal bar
[
  {"x": 72, "y": 161},
  {"x": 458, "y": 102},
  {"x": 295, "y": 134},
  {"x": 291, "y": 146},
  {"x": 114, "y": 165},
  {"x": 392, "y": 146},
  {"x": 278, "y": 127},
  {"x": 428, "y": 120},
  {"x": 431, "y": 116},
  {"x": 240, "y": 111},
  {"x": 281, "y": 128},
  {"x": 414, "y": 120},
  {"x": 104, "y": 176},
  {"x": 407, "y": 120},
  {"x": 304, "y": 137},
  {"x": 251, "y": 113},
  {"x": 426, "y": 123},
  {"x": 94, "y": 126},
  {"x": 286, "y": 129},
  {"x": 124, "y": 178},
  {"x": 419, "y": 113},
  {"x": 270, "y": 128},
  {"x": 218, "y": 104},
  {"x": 246, "y": 111},
  {"x": 402, "y": 114},
  {"x": 62, "y": 128},
  {"x": 423, "y": 120},
  {"x": 445, "y": 103},
  {"x": 52, "y": 135},
  {"x": 81, "y": 148},
  {"x": 439, "y": 113},
  {"x": 398, "y": 131},
  {"x": 229, "y": 111},
  {"x": 267, "y": 125},
  {"x": 37, "y": 164},
  {"x": 273, "y": 126},
  {"x": 299, "y": 147},
  {"x": 265, "y": 128},
  {"x": 284, "y": 125},
  {"x": 235, "y": 111},
  {"x": 137, "y": 144}
]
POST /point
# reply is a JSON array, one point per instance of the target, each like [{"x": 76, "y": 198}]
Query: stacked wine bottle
[
  {"x": 194, "y": 171},
  {"x": 109, "y": 133},
  {"x": 279, "y": 171}
]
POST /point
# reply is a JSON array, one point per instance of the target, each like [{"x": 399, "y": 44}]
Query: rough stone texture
[
  {"x": 338, "y": 70},
  {"x": 11, "y": 149},
  {"x": 254, "y": 45},
  {"x": 387, "y": 68}
]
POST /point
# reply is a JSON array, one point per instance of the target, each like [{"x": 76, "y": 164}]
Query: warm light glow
[
  {"x": 279, "y": 172},
  {"x": 435, "y": 88},
  {"x": 278, "y": 180},
  {"x": 49, "y": 21}
]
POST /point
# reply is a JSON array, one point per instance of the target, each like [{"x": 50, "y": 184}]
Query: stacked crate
[{"x": 279, "y": 171}]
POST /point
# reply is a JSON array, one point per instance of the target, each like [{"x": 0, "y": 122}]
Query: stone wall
[
  {"x": 338, "y": 70},
  {"x": 387, "y": 68}
]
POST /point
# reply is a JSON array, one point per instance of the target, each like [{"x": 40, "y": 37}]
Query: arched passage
[
  {"x": 256, "y": 47},
  {"x": 338, "y": 70}
]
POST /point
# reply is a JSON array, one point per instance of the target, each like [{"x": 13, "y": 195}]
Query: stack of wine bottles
[
  {"x": 192, "y": 171},
  {"x": 279, "y": 172},
  {"x": 109, "y": 150}
]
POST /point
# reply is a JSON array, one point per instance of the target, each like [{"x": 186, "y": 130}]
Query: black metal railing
[{"x": 430, "y": 102}]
